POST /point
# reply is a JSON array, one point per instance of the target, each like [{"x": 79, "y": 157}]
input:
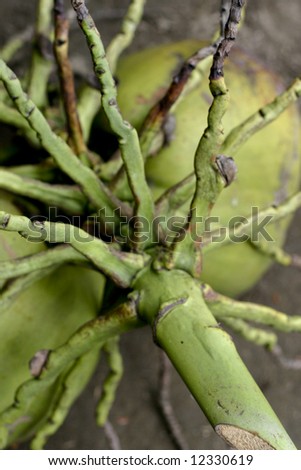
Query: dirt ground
[{"x": 271, "y": 33}]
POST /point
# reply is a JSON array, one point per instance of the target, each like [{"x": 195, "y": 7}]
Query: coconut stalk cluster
[{"x": 162, "y": 223}]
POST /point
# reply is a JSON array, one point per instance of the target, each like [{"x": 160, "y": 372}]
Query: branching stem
[
  {"x": 126, "y": 134},
  {"x": 120, "y": 267}
]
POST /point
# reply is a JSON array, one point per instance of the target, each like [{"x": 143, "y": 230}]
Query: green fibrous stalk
[{"x": 185, "y": 328}]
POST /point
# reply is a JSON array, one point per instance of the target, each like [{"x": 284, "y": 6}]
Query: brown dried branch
[
  {"x": 75, "y": 134},
  {"x": 231, "y": 29},
  {"x": 158, "y": 114}
]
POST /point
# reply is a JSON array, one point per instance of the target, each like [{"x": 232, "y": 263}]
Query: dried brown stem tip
[
  {"x": 80, "y": 9},
  {"x": 231, "y": 28},
  {"x": 161, "y": 109}
]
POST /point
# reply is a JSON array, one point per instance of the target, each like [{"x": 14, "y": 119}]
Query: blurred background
[{"x": 271, "y": 33}]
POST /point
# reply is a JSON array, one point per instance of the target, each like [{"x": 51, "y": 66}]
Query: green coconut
[
  {"x": 268, "y": 163},
  {"x": 43, "y": 316}
]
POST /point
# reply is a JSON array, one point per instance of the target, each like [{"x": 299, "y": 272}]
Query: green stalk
[
  {"x": 224, "y": 307},
  {"x": 235, "y": 139},
  {"x": 68, "y": 198},
  {"x": 45, "y": 259},
  {"x": 67, "y": 161},
  {"x": 213, "y": 171},
  {"x": 208, "y": 180},
  {"x": 264, "y": 116},
  {"x": 11, "y": 117},
  {"x": 127, "y": 32},
  {"x": 89, "y": 102},
  {"x": 120, "y": 267},
  {"x": 277, "y": 254},
  {"x": 15, "y": 43},
  {"x": 92, "y": 334},
  {"x": 110, "y": 384},
  {"x": 74, "y": 383},
  {"x": 244, "y": 230},
  {"x": 45, "y": 171},
  {"x": 16, "y": 286},
  {"x": 41, "y": 65},
  {"x": 172, "y": 303},
  {"x": 209, "y": 183},
  {"x": 250, "y": 333},
  {"x": 127, "y": 136}
]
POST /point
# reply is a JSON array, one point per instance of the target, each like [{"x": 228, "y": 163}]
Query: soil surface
[{"x": 272, "y": 33}]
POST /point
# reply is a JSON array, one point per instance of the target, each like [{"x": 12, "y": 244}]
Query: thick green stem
[
  {"x": 208, "y": 180},
  {"x": 206, "y": 358},
  {"x": 209, "y": 184}
]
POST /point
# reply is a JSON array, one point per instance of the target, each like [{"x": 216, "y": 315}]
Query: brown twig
[
  {"x": 231, "y": 29},
  {"x": 75, "y": 134},
  {"x": 158, "y": 114},
  {"x": 230, "y": 16}
]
